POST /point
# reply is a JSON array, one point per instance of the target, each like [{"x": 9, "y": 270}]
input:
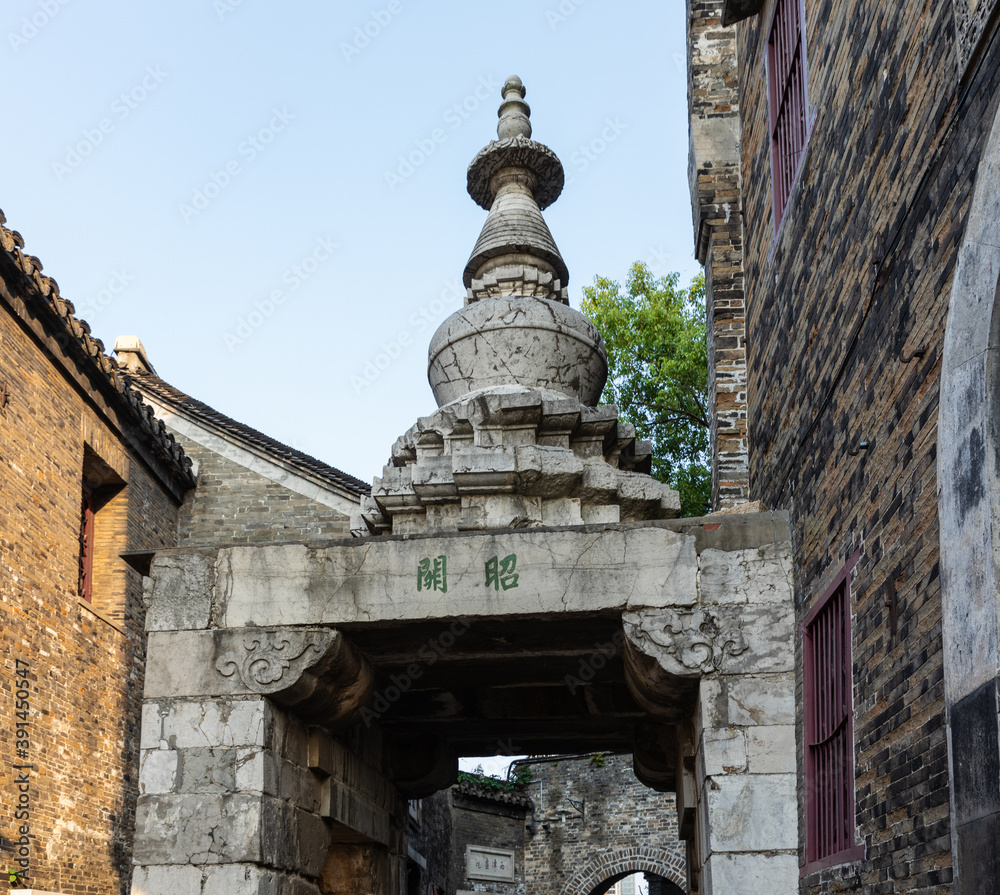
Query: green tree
[{"x": 658, "y": 372}]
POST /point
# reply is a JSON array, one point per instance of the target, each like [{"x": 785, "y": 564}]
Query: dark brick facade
[{"x": 846, "y": 311}]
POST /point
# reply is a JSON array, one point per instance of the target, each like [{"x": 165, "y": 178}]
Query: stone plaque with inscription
[{"x": 489, "y": 863}]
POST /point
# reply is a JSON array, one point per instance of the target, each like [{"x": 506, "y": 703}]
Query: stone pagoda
[{"x": 518, "y": 439}]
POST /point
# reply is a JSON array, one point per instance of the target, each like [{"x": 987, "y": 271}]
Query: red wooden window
[
  {"x": 829, "y": 730},
  {"x": 87, "y": 514},
  {"x": 786, "y": 76}
]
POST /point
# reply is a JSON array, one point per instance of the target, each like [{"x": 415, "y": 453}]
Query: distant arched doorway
[
  {"x": 658, "y": 885},
  {"x": 606, "y": 868}
]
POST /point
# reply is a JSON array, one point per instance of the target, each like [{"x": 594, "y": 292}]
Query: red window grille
[
  {"x": 829, "y": 728},
  {"x": 87, "y": 514},
  {"x": 786, "y": 75}
]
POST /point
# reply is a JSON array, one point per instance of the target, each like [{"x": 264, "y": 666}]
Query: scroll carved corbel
[
  {"x": 314, "y": 671},
  {"x": 686, "y": 643},
  {"x": 666, "y": 651}
]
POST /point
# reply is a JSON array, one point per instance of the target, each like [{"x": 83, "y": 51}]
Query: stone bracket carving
[
  {"x": 315, "y": 672},
  {"x": 686, "y": 643},
  {"x": 667, "y": 650},
  {"x": 266, "y": 656}
]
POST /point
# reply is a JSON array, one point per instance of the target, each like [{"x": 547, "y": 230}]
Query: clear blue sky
[{"x": 271, "y": 198}]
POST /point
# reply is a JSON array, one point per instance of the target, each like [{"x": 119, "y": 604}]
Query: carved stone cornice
[
  {"x": 313, "y": 671},
  {"x": 668, "y": 650},
  {"x": 686, "y": 643}
]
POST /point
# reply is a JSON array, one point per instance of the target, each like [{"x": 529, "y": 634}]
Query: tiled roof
[
  {"x": 208, "y": 416},
  {"x": 474, "y": 789},
  {"x": 42, "y": 294}
]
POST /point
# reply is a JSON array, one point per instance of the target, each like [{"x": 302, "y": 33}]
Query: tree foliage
[{"x": 658, "y": 372}]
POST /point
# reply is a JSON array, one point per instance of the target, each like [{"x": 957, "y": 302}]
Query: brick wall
[
  {"x": 858, "y": 279},
  {"x": 714, "y": 177},
  {"x": 622, "y": 821},
  {"x": 234, "y": 505},
  {"x": 83, "y": 665}
]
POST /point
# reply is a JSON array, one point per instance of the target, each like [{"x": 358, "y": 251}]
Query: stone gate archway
[
  {"x": 516, "y": 577},
  {"x": 613, "y": 864}
]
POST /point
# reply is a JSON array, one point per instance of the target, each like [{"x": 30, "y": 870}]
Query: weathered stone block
[
  {"x": 181, "y": 597},
  {"x": 776, "y": 874},
  {"x": 210, "y": 722},
  {"x": 167, "y": 880},
  {"x": 752, "y": 812},
  {"x": 771, "y": 750},
  {"x": 761, "y": 700},
  {"x": 722, "y": 752},
  {"x": 756, "y": 575}
]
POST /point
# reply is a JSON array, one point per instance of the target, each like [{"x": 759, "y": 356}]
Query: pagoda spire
[{"x": 514, "y": 178}]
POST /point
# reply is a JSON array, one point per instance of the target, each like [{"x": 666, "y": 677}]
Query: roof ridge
[
  {"x": 303, "y": 461},
  {"x": 64, "y": 313}
]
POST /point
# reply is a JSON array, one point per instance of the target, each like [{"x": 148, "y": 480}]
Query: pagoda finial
[{"x": 514, "y": 112}]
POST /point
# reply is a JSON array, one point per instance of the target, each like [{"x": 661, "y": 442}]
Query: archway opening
[{"x": 633, "y": 883}]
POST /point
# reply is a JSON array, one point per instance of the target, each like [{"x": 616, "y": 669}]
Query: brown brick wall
[
  {"x": 84, "y": 671},
  {"x": 857, "y": 279},
  {"x": 233, "y": 505}
]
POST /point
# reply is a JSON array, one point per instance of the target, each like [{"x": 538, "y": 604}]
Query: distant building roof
[
  {"x": 476, "y": 790},
  {"x": 161, "y": 391}
]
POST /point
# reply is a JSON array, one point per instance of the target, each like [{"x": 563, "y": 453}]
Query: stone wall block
[
  {"x": 723, "y": 751},
  {"x": 768, "y": 699},
  {"x": 752, "y": 812},
  {"x": 198, "y": 829},
  {"x": 758, "y": 575},
  {"x": 167, "y": 880},
  {"x": 181, "y": 595},
  {"x": 205, "y": 723},
  {"x": 771, "y": 750},
  {"x": 752, "y": 875},
  {"x": 158, "y": 771}
]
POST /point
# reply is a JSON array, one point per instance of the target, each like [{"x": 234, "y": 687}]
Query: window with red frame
[
  {"x": 829, "y": 728},
  {"x": 786, "y": 76},
  {"x": 87, "y": 515}
]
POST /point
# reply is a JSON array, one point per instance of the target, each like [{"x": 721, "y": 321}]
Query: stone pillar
[
  {"x": 746, "y": 824},
  {"x": 243, "y": 787},
  {"x": 733, "y": 649},
  {"x": 227, "y": 801},
  {"x": 714, "y": 177}
]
